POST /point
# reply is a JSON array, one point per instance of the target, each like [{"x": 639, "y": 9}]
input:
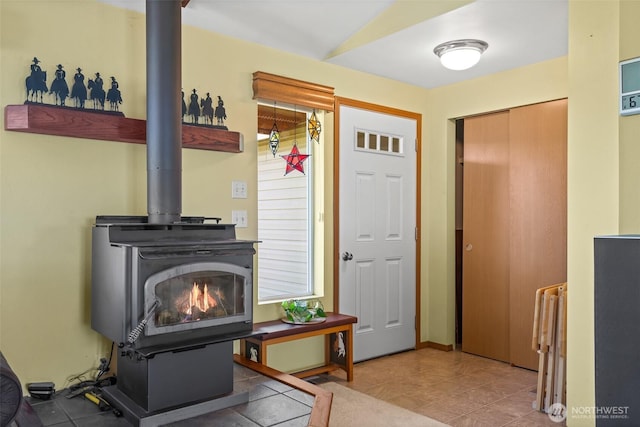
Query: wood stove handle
[{"x": 135, "y": 333}]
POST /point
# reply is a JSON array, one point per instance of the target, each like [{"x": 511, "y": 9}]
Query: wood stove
[
  {"x": 173, "y": 297},
  {"x": 173, "y": 292},
  {"x": 155, "y": 286}
]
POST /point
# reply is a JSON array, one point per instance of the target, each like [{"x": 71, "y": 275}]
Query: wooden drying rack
[{"x": 550, "y": 341}]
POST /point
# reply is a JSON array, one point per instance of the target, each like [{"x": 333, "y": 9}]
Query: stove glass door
[{"x": 194, "y": 296}]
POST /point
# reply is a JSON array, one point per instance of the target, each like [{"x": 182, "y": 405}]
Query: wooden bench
[{"x": 337, "y": 330}]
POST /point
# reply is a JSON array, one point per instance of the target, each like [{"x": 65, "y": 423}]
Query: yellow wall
[
  {"x": 527, "y": 85},
  {"x": 629, "y": 126},
  {"x": 596, "y": 176},
  {"x": 51, "y": 188}
]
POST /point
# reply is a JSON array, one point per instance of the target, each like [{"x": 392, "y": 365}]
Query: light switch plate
[
  {"x": 239, "y": 218},
  {"x": 238, "y": 190}
]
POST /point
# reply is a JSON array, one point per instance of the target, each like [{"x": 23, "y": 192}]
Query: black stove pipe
[{"x": 164, "y": 111}]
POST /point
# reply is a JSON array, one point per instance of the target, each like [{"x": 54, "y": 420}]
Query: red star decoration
[{"x": 294, "y": 160}]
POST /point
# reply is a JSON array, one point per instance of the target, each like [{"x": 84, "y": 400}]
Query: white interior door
[{"x": 377, "y": 200}]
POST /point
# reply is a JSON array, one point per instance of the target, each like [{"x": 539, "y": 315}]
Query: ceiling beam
[{"x": 399, "y": 16}]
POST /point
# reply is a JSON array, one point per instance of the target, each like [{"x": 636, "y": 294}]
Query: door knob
[
  {"x": 468, "y": 247},
  {"x": 347, "y": 256}
]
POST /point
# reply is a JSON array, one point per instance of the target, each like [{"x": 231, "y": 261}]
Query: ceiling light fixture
[{"x": 460, "y": 54}]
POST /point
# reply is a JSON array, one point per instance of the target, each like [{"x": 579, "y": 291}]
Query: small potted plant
[{"x": 303, "y": 311}]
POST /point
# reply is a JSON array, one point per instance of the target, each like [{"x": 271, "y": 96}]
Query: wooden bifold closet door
[
  {"x": 485, "y": 236},
  {"x": 514, "y": 225}
]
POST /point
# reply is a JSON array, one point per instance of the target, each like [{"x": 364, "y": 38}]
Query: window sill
[{"x": 280, "y": 300}]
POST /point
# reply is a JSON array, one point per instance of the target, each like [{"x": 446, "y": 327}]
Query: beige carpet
[{"x": 352, "y": 408}]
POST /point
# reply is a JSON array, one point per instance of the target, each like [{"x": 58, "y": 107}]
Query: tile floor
[
  {"x": 456, "y": 388},
  {"x": 271, "y": 404}
]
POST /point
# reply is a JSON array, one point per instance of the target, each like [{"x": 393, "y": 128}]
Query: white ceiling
[{"x": 390, "y": 38}]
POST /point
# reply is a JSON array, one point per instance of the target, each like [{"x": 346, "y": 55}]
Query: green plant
[{"x": 302, "y": 311}]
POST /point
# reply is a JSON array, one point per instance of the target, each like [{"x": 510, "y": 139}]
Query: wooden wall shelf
[{"x": 64, "y": 121}]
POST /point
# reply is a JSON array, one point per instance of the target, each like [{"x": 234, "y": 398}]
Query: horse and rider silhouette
[
  {"x": 207, "y": 109},
  {"x": 59, "y": 86},
  {"x": 221, "y": 114},
  {"x": 184, "y": 107},
  {"x": 79, "y": 90},
  {"x": 97, "y": 94},
  {"x": 194, "y": 110},
  {"x": 113, "y": 95},
  {"x": 36, "y": 82},
  {"x": 36, "y": 85}
]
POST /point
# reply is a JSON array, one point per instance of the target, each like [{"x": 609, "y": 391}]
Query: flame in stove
[{"x": 200, "y": 300}]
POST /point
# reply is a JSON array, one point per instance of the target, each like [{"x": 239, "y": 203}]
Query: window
[
  {"x": 383, "y": 144},
  {"x": 288, "y": 227}
]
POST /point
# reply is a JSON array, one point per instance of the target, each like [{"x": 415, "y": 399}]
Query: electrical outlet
[
  {"x": 238, "y": 190},
  {"x": 239, "y": 218}
]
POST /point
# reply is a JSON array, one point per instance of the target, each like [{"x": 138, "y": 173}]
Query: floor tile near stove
[{"x": 271, "y": 404}]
